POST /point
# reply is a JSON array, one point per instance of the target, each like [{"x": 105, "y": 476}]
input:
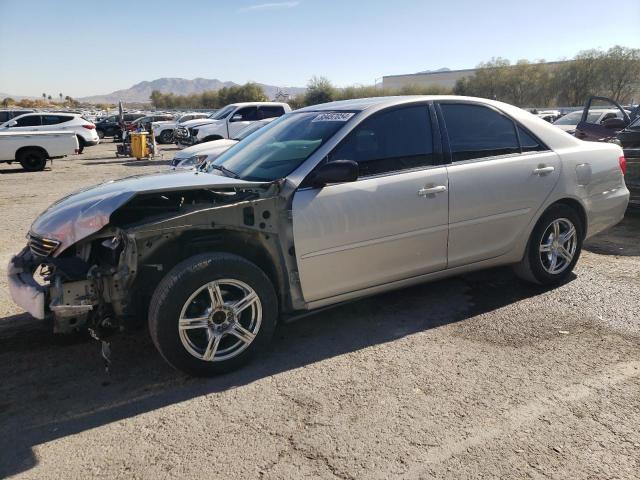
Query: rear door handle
[
  {"x": 543, "y": 170},
  {"x": 423, "y": 192}
]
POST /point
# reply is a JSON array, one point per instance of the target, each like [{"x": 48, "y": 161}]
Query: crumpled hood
[
  {"x": 206, "y": 148},
  {"x": 199, "y": 121},
  {"x": 83, "y": 213}
]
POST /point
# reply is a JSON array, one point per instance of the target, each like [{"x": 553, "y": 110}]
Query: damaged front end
[
  {"x": 84, "y": 286},
  {"x": 93, "y": 258}
]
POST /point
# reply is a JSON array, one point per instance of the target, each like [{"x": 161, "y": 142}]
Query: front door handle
[
  {"x": 543, "y": 170},
  {"x": 423, "y": 192}
]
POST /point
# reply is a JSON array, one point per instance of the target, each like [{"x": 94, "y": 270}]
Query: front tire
[
  {"x": 166, "y": 136},
  {"x": 212, "y": 313},
  {"x": 554, "y": 247}
]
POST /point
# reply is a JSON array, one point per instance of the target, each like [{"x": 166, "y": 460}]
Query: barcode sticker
[{"x": 333, "y": 117}]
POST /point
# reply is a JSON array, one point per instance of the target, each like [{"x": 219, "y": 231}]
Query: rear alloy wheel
[
  {"x": 166, "y": 136},
  {"x": 212, "y": 313},
  {"x": 558, "y": 246},
  {"x": 32, "y": 159},
  {"x": 554, "y": 247}
]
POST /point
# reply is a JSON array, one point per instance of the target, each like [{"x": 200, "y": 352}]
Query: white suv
[{"x": 54, "y": 121}]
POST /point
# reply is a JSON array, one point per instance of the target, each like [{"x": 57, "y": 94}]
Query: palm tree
[
  {"x": 60, "y": 96},
  {"x": 49, "y": 98},
  {"x": 44, "y": 96}
]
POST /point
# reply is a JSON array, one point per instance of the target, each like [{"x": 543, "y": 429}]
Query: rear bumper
[
  {"x": 91, "y": 143},
  {"x": 25, "y": 291}
]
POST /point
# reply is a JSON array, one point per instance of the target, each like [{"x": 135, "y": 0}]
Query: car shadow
[
  {"x": 4, "y": 171},
  {"x": 622, "y": 240},
  {"x": 55, "y": 387}
]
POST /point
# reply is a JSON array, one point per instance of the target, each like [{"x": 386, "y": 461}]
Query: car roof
[
  {"x": 258, "y": 104},
  {"x": 549, "y": 134}
]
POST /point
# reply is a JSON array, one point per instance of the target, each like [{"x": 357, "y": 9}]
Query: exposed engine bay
[{"x": 104, "y": 281}]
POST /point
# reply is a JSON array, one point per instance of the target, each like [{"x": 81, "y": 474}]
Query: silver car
[{"x": 326, "y": 204}]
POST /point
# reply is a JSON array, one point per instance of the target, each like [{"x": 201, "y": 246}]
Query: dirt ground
[{"x": 480, "y": 376}]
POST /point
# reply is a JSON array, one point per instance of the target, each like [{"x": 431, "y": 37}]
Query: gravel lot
[{"x": 479, "y": 376}]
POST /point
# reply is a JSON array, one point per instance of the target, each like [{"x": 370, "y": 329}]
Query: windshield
[
  {"x": 224, "y": 113},
  {"x": 249, "y": 130},
  {"x": 572, "y": 118},
  {"x": 276, "y": 150}
]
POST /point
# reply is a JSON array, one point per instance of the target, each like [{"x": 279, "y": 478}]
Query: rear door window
[
  {"x": 29, "y": 121},
  {"x": 476, "y": 131},
  {"x": 55, "y": 119},
  {"x": 390, "y": 141}
]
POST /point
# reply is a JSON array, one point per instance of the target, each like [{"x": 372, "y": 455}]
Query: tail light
[
  {"x": 89, "y": 126},
  {"x": 623, "y": 164}
]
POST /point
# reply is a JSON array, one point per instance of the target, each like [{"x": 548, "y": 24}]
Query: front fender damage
[{"x": 100, "y": 282}]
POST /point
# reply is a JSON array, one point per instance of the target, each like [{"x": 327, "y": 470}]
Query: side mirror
[
  {"x": 338, "y": 171},
  {"x": 13, "y": 123},
  {"x": 614, "y": 123},
  {"x": 236, "y": 118}
]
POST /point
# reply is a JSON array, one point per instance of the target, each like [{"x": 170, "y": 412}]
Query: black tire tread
[{"x": 192, "y": 266}]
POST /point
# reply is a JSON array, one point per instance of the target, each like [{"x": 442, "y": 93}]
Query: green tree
[{"x": 319, "y": 90}]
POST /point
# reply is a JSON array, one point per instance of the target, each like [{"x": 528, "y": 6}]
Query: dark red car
[{"x": 624, "y": 131}]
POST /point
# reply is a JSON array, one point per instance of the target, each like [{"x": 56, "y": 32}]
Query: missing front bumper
[{"x": 25, "y": 291}]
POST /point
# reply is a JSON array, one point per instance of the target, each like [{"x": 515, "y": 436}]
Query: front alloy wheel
[
  {"x": 220, "y": 320},
  {"x": 212, "y": 313}
]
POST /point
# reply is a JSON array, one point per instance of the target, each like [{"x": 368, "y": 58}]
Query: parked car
[
  {"x": 548, "y": 115},
  {"x": 53, "y": 121},
  {"x": 199, "y": 155},
  {"x": 110, "y": 126},
  {"x": 146, "y": 121},
  {"x": 570, "y": 121},
  {"x": 622, "y": 129},
  {"x": 32, "y": 149},
  {"x": 163, "y": 131},
  {"x": 8, "y": 114},
  {"x": 326, "y": 204},
  {"x": 228, "y": 122}
]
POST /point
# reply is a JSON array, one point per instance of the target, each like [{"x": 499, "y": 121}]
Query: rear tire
[
  {"x": 32, "y": 159},
  {"x": 195, "y": 319},
  {"x": 554, "y": 247},
  {"x": 211, "y": 138},
  {"x": 100, "y": 134},
  {"x": 81, "y": 144}
]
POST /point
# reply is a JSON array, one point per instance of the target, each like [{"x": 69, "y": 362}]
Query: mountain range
[{"x": 140, "y": 92}]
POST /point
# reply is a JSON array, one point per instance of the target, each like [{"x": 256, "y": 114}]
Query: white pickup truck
[
  {"x": 33, "y": 149},
  {"x": 228, "y": 122}
]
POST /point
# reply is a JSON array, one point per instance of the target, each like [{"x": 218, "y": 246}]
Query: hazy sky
[{"x": 83, "y": 48}]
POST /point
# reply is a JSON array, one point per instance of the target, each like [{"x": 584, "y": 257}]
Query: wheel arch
[
  {"x": 579, "y": 209},
  {"x": 259, "y": 248},
  {"x": 31, "y": 147}
]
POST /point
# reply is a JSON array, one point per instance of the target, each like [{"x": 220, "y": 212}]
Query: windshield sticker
[{"x": 333, "y": 117}]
